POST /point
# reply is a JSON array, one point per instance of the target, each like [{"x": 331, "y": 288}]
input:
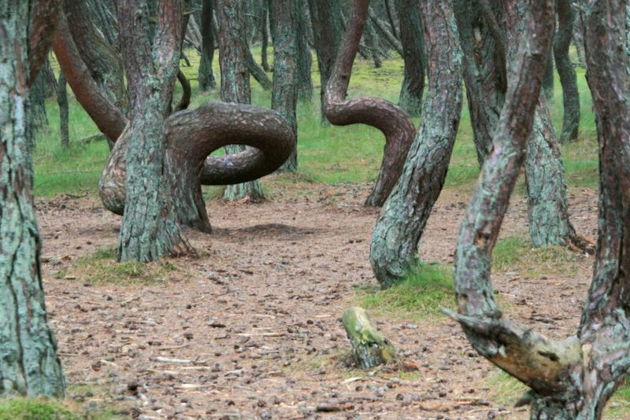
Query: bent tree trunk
[
  {"x": 394, "y": 247},
  {"x": 233, "y": 57},
  {"x": 285, "y": 34},
  {"x": 29, "y": 365},
  {"x": 411, "y": 39},
  {"x": 571, "y": 378},
  {"x": 149, "y": 227},
  {"x": 570, "y": 95},
  {"x": 387, "y": 117}
]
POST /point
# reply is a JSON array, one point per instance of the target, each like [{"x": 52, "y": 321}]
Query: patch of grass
[
  {"x": 418, "y": 296},
  {"x": 102, "y": 268},
  {"x": 618, "y": 407},
  {"x": 517, "y": 254},
  {"x": 34, "y": 409}
]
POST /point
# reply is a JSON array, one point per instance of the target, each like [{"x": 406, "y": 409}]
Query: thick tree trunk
[
  {"x": 570, "y": 95},
  {"x": 234, "y": 57},
  {"x": 571, "y": 378},
  {"x": 28, "y": 352},
  {"x": 411, "y": 38},
  {"x": 387, "y": 117},
  {"x": 206, "y": 75},
  {"x": 62, "y": 102},
  {"x": 149, "y": 227},
  {"x": 285, "y": 34},
  {"x": 327, "y": 32},
  {"x": 394, "y": 247},
  {"x": 304, "y": 58}
]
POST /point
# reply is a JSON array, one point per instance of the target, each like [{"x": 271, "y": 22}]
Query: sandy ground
[{"x": 253, "y": 321}]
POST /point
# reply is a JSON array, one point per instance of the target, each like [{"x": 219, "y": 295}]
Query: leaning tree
[
  {"x": 387, "y": 117},
  {"x": 571, "y": 378},
  {"x": 394, "y": 246},
  {"x": 29, "y": 365},
  {"x": 188, "y": 137}
]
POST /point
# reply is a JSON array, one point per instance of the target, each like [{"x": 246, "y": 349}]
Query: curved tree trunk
[
  {"x": 387, "y": 117},
  {"x": 206, "y": 75},
  {"x": 29, "y": 365},
  {"x": 234, "y": 57},
  {"x": 570, "y": 95},
  {"x": 571, "y": 378},
  {"x": 394, "y": 247},
  {"x": 414, "y": 56},
  {"x": 285, "y": 34}
]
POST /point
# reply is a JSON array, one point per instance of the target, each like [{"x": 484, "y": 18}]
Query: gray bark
[{"x": 412, "y": 42}]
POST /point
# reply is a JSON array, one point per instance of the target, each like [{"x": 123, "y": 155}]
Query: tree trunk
[
  {"x": 327, "y": 32},
  {"x": 285, "y": 34},
  {"x": 548, "y": 78},
  {"x": 39, "y": 118},
  {"x": 387, "y": 117},
  {"x": 149, "y": 227},
  {"x": 206, "y": 75},
  {"x": 62, "y": 102},
  {"x": 372, "y": 44},
  {"x": 264, "y": 35},
  {"x": 570, "y": 95},
  {"x": 29, "y": 365},
  {"x": 414, "y": 56},
  {"x": 304, "y": 58},
  {"x": 571, "y": 378},
  {"x": 233, "y": 55},
  {"x": 394, "y": 247}
]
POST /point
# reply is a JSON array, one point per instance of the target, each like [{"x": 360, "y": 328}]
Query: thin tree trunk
[
  {"x": 62, "y": 101},
  {"x": 38, "y": 115},
  {"x": 304, "y": 58},
  {"x": 548, "y": 81},
  {"x": 370, "y": 40},
  {"x": 285, "y": 34},
  {"x": 233, "y": 55},
  {"x": 387, "y": 117},
  {"x": 206, "y": 74},
  {"x": 29, "y": 365},
  {"x": 570, "y": 95},
  {"x": 264, "y": 35},
  {"x": 412, "y": 41},
  {"x": 394, "y": 247}
]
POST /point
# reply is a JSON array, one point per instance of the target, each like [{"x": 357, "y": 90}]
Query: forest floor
[{"x": 250, "y": 328}]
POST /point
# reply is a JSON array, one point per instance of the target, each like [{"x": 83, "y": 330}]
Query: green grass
[
  {"x": 101, "y": 268},
  {"x": 326, "y": 154},
  {"x": 417, "y": 297},
  {"x": 34, "y": 409}
]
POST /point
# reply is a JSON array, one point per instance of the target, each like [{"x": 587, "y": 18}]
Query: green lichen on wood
[{"x": 370, "y": 348}]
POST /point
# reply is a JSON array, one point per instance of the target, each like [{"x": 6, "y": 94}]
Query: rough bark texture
[
  {"x": 37, "y": 98},
  {"x": 28, "y": 361},
  {"x": 62, "y": 102},
  {"x": 387, "y": 117},
  {"x": 327, "y": 32},
  {"x": 571, "y": 378},
  {"x": 149, "y": 227},
  {"x": 285, "y": 34},
  {"x": 570, "y": 95},
  {"x": 370, "y": 348},
  {"x": 394, "y": 247},
  {"x": 206, "y": 75},
  {"x": 233, "y": 57},
  {"x": 411, "y": 38}
]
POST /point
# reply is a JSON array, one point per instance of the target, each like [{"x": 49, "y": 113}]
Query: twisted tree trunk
[
  {"x": 387, "y": 117},
  {"x": 394, "y": 247}
]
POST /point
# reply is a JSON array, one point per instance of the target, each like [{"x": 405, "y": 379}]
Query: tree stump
[{"x": 369, "y": 347}]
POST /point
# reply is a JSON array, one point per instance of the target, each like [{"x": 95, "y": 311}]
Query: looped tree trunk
[{"x": 387, "y": 117}]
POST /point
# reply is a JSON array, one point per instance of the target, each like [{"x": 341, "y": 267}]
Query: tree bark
[
  {"x": 149, "y": 227},
  {"x": 387, "y": 117},
  {"x": 264, "y": 35},
  {"x": 570, "y": 95},
  {"x": 235, "y": 59},
  {"x": 327, "y": 32},
  {"x": 304, "y": 58},
  {"x": 414, "y": 56},
  {"x": 37, "y": 93},
  {"x": 394, "y": 247},
  {"x": 62, "y": 102},
  {"x": 284, "y": 96},
  {"x": 29, "y": 365},
  {"x": 571, "y": 378},
  {"x": 206, "y": 75}
]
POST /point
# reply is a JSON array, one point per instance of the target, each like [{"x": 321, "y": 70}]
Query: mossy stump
[{"x": 369, "y": 347}]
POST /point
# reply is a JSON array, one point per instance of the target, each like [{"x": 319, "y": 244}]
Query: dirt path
[{"x": 254, "y": 324}]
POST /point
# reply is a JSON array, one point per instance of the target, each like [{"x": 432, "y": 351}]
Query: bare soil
[{"x": 250, "y": 328}]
